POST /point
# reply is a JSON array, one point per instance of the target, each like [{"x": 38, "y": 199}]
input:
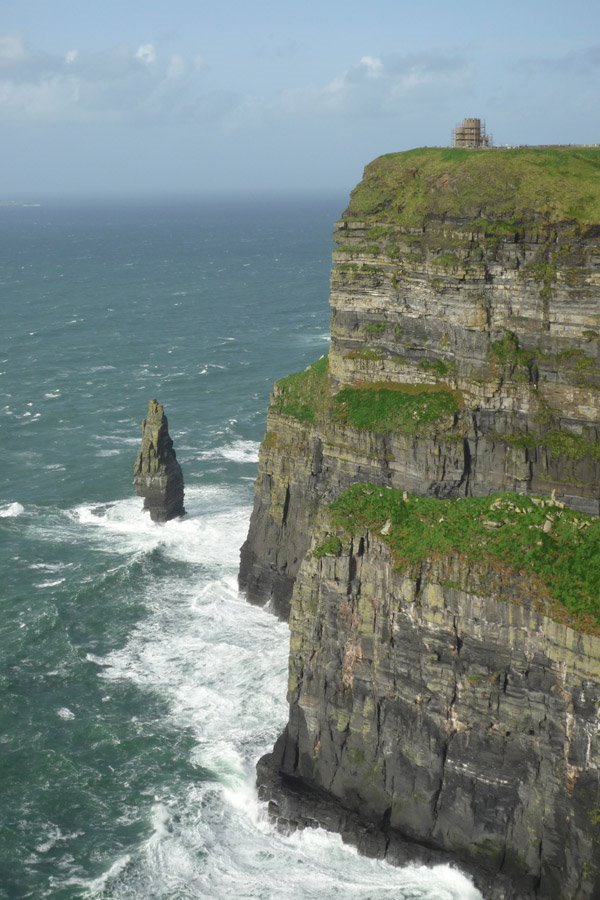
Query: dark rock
[
  {"x": 293, "y": 804},
  {"x": 158, "y": 478}
]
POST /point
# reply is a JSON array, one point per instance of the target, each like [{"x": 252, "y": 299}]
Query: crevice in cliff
[
  {"x": 458, "y": 647},
  {"x": 286, "y": 506},
  {"x": 450, "y": 718},
  {"x": 385, "y": 826},
  {"x": 466, "y": 472},
  {"x": 538, "y": 881},
  {"x": 339, "y": 752},
  {"x": 437, "y": 798},
  {"x": 418, "y": 583},
  {"x": 388, "y": 455},
  {"x": 316, "y": 466}
]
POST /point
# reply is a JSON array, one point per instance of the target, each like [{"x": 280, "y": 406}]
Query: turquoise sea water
[{"x": 137, "y": 688}]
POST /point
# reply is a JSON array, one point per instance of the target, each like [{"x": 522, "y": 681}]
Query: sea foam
[
  {"x": 221, "y": 666},
  {"x": 11, "y": 510},
  {"x": 237, "y": 451}
]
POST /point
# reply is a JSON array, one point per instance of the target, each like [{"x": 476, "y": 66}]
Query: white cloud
[
  {"x": 41, "y": 102},
  {"x": 176, "y": 66},
  {"x": 125, "y": 84},
  {"x": 146, "y": 54},
  {"x": 378, "y": 86},
  {"x": 373, "y": 66},
  {"x": 12, "y": 50},
  {"x": 117, "y": 84}
]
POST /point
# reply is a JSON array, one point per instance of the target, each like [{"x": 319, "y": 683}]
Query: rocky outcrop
[
  {"x": 157, "y": 474},
  {"x": 445, "y": 706},
  {"x": 435, "y": 708}
]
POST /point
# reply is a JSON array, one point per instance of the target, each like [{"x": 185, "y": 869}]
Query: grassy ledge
[
  {"x": 331, "y": 546},
  {"x": 407, "y": 408},
  {"x": 380, "y": 407},
  {"x": 559, "y": 444},
  {"x": 526, "y": 184},
  {"x": 303, "y": 395},
  {"x": 556, "y": 548}
]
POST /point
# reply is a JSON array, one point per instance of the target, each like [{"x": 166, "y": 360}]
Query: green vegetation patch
[
  {"x": 331, "y": 546},
  {"x": 375, "y": 328},
  {"x": 526, "y": 536},
  {"x": 572, "y": 446},
  {"x": 303, "y": 394},
  {"x": 395, "y": 407},
  {"x": 516, "y": 186},
  {"x": 367, "y": 353},
  {"x": 557, "y": 443},
  {"x": 437, "y": 285},
  {"x": 381, "y": 231},
  {"x": 524, "y": 440},
  {"x": 447, "y": 261},
  {"x": 506, "y": 351},
  {"x": 437, "y": 367},
  {"x": 575, "y": 358},
  {"x": 381, "y": 407}
]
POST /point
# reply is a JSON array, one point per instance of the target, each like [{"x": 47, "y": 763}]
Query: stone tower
[{"x": 471, "y": 134}]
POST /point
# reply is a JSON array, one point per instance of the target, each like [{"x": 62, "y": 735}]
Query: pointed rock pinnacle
[{"x": 157, "y": 474}]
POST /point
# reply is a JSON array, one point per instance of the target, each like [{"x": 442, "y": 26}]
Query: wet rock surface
[{"x": 157, "y": 474}]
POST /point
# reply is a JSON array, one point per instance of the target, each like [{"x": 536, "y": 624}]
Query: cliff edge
[{"x": 427, "y": 500}]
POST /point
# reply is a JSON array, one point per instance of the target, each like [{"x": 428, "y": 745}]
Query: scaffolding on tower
[{"x": 471, "y": 134}]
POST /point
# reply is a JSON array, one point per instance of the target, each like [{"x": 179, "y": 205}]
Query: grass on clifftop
[
  {"x": 516, "y": 186},
  {"x": 557, "y": 547},
  {"x": 383, "y": 408}
]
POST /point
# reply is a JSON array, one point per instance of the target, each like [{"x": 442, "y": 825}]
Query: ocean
[{"x": 138, "y": 688}]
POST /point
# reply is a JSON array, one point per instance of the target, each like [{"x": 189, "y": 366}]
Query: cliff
[
  {"x": 447, "y": 697},
  {"x": 446, "y": 693},
  {"x": 157, "y": 474}
]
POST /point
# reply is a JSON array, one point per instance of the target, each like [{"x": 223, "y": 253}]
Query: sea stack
[{"x": 158, "y": 477}]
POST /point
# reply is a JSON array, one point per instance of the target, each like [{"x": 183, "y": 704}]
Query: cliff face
[
  {"x": 433, "y": 705},
  {"x": 440, "y": 284},
  {"x": 446, "y": 700}
]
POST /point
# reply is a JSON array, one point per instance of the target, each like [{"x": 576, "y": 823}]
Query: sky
[{"x": 158, "y": 97}]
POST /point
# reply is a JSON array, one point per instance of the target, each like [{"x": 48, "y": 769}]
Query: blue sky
[{"x": 185, "y": 96}]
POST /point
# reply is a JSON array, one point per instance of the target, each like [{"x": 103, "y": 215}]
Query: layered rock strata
[
  {"x": 435, "y": 708},
  {"x": 157, "y": 474},
  {"x": 444, "y": 706},
  {"x": 443, "y": 283}
]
